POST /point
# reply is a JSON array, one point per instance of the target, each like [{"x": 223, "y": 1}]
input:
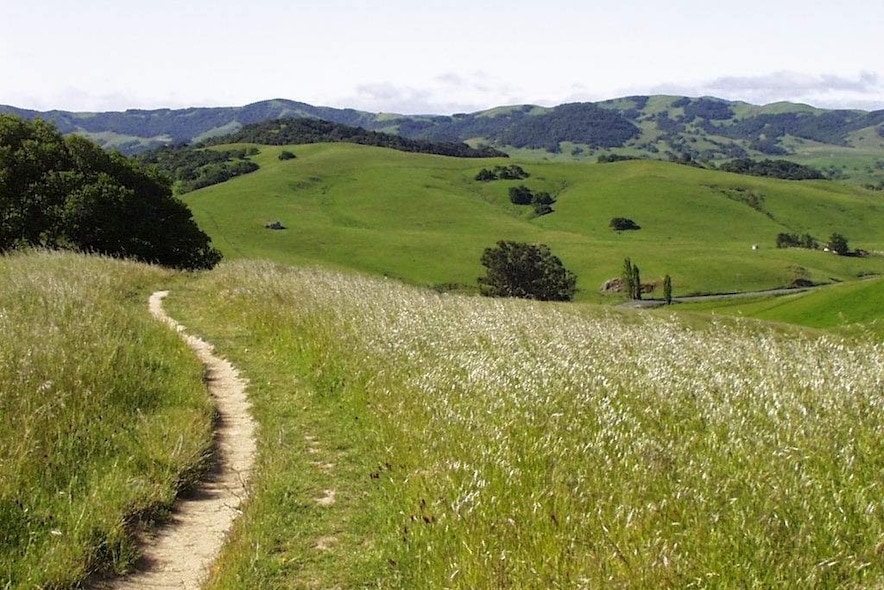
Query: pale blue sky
[{"x": 435, "y": 56}]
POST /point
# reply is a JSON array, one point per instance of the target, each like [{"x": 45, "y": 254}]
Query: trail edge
[{"x": 181, "y": 553}]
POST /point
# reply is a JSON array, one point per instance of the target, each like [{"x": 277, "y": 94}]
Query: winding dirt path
[{"x": 180, "y": 554}]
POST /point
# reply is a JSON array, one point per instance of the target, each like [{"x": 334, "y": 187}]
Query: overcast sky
[{"x": 436, "y": 56}]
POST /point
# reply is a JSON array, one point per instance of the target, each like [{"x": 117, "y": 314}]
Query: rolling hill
[
  {"x": 426, "y": 219},
  {"x": 846, "y": 144}
]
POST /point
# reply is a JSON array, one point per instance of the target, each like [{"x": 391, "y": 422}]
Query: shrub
[
  {"x": 623, "y": 224},
  {"x": 286, "y": 155}
]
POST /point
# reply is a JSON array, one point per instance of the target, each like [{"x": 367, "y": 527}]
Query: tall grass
[
  {"x": 526, "y": 445},
  {"x": 103, "y": 416}
]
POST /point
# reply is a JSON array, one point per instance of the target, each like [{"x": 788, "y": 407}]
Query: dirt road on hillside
[{"x": 180, "y": 554}]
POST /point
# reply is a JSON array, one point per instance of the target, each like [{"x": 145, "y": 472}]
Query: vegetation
[
  {"x": 667, "y": 289},
  {"x": 304, "y": 131},
  {"x": 511, "y": 172},
  {"x": 66, "y": 192},
  {"x": 790, "y": 240},
  {"x": 773, "y": 169},
  {"x": 103, "y": 416},
  {"x": 623, "y": 224},
  {"x": 609, "y": 158},
  {"x": 838, "y": 244},
  {"x": 541, "y": 201},
  {"x": 463, "y": 430},
  {"x": 632, "y": 280},
  {"x": 192, "y": 168},
  {"x": 286, "y": 155},
  {"x": 530, "y": 127},
  {"x": 529, "y": 271}
]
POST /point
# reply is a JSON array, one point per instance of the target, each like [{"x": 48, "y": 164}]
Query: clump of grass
[
  {"x": 103, "y": 415},
  {"x": 517, "y": 444}
]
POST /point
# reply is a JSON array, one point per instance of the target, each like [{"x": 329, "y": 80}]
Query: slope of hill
[
  {"x": 847, "y": 144},
  {"x": 427, "y": 219},
  {"x": 854, "y": 308}
]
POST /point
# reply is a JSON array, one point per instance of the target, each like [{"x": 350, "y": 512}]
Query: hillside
[
  {"x": 426, "y": 219},
  {"x": 853, "y": 308},
  {"x": 845, "y": 144}
]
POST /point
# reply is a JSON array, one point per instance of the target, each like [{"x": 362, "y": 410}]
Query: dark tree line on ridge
[
  {"x": 773, "y": 169},
  {"x": 300, "y": 131}
]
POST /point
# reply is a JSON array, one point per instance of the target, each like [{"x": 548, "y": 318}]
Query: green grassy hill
[
  {"x": 851, "y": 308},
  {"x": 425, "y": 219}
]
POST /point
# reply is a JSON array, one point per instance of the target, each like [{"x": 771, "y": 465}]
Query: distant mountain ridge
[{"x": 676, "y": 127}]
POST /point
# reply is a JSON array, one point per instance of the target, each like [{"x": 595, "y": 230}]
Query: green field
[{"x": 425, "y": 219}]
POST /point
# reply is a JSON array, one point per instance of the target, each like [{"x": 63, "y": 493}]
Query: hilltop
[{"x": 843, "y": 143}]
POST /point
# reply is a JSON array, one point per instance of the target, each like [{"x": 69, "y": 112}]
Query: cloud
[
  {"x": 865, "y": 91},
  {"x": 447, "y": 93},
  {"x": 79, "y": 100}
]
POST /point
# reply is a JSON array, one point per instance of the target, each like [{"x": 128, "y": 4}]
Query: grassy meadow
[
  {"x": 103, "y": 416},
  {"x": 424, "y": 219},
  {"x": 479, "y": 443}
]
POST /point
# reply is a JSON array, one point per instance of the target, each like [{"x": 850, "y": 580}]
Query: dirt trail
[{"x": 180, "y": 554}]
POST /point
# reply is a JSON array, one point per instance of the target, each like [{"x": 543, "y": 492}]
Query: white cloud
[
  {"x": 865, "y": 91},
  {"x": 447, "y": 93}
]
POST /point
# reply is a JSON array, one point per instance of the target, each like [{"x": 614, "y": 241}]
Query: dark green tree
[
  {"x": 838, "y": 244},
  {"x": 632, "y": 282},
  {"x": 667, "y": 289},
  {"x": 66, "y": 192},
  {"x": 623, "y": 224},
  {"x": 521, "y": 195},
  {"x": 529, "y": 271},
  {"x": 628, "y": 277}
]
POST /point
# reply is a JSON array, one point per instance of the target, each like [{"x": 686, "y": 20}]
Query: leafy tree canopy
[
  {"x": 193, "y": 168},
  {"x": 838, "y": 244},
  {"x": 66, "y": 192},
  {"x": 529, "y": 271}
]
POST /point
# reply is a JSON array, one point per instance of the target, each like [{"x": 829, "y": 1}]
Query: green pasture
[{"x": 425, "y": 219}]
